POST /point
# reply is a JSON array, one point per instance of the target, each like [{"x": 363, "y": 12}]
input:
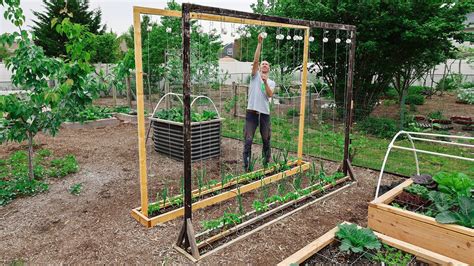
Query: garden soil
[{"x": 96, "y": 227}]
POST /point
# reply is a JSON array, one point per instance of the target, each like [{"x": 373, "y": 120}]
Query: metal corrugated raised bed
[{"x": 205, "y": 138}]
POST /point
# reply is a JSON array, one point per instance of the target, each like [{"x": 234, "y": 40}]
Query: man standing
[{"x": 258, "y": 107}]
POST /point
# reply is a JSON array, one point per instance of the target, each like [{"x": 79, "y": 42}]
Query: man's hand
[
  {"x": 260, "y": 38},
  {"x": 264, "y": 78}
]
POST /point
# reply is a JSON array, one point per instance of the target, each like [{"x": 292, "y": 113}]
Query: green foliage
[
  {"x": 354, "y": 239},
  {"x": 462, "y": 214},
  {"x": 292, "y": 112},
  {"x": 90, "y": 113},
  {"x": 54, "y": 43},
  {"x": 420, "y": 33},
  {"x": 466, "y": 96},
  {"x": 392, "y": 256},
  {"x": 3, "y": 53},
  {"x": 61, "y": 167},
  {"x": 442, "y": 202},
  {"x": 454, "y": 183},
  {"x": 105, "y": 48},
  {"x": 436, "y": 115},
  {"x": 448, "y": 83},
  {"x": 176, "y": 115},
  {"x": 75, "y": 189},
  {"x": 259, "y": 206},
  {"x": 417, "y": 190},
  {"x": 391, "y": 93},
  {"x": 415, "y": 100},
  {"x": 41, "y": 107},
  {"x": 378, "y": 126},
  {"x": 227, "y": 219},
  {"x": 14, "y": 173}
]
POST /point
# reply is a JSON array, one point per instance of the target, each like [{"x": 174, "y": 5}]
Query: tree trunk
[
  {"x": 129, "y": 96},
  {"x": 402, "y": 108},
  {"x": 30, "y": 156}
]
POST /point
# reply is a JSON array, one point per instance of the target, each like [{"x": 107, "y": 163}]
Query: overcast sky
[{"x": 117, "y": 14}]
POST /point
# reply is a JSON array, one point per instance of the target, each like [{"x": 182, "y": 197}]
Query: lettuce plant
[{"x": 454, "y": 183}]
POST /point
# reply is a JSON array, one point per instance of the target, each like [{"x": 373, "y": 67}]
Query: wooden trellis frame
[{"x": 191, "y": 11}]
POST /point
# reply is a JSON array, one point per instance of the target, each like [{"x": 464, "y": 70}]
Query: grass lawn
[{"x": 323, "y": 142}]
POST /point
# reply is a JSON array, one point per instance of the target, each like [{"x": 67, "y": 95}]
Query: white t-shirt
[{"x": 258, "y": 98}]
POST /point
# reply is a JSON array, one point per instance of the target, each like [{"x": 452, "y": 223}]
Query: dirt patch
[
  {"x": 446, "y": 103},
  {"x": 96, "y": 226}
]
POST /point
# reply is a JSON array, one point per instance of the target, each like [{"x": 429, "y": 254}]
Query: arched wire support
[{"x": 411, "y": 138}]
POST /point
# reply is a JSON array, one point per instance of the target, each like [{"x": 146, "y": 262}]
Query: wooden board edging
[
  {"x": 312, "y": 248},
  {"x": 451, "y": 240},
  {"x": 152, "y": 221}
]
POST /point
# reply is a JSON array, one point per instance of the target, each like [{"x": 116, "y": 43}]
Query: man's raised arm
[{"x": 257, "y": 55}]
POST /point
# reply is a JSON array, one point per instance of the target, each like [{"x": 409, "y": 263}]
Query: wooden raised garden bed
[
  {"x": 324, "y": 251},
  {"x": 451, "y": 240},
  {"x": 106, "y": 122},
  {"x": 220, "y": 192},
  {"x": 246, "y": 224},
  {"x": 205, "y": 138}
]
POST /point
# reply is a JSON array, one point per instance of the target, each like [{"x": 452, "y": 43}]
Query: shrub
[
  {"x": 391, "y": 93},
  {"x": 417, "y": 90},
  {"x": 389, "y": 102},
  {"x": 415, "y": 99},
  {"x": 379, "y": 127},
  {"x": 436, "y": 115},
  {"x": 292, "y": 112}
]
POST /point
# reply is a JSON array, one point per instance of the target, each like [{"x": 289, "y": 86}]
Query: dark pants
[{"x": 252, "y": 120}]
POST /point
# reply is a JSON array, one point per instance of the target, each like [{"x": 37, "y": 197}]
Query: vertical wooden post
[
  {"x": 304, "y": 79},
  {"x": 185, "y": 238},
  {"x": 349, "y": 103},
  {"x": 140, "y": 112}
]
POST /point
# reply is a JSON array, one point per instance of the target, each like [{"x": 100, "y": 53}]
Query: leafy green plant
[
  {"x": 418, "y": 190},
  {"x": 454, "y": 183},
  {"x": 76, "y": 189},
  {"x": 259, "y": 206},
  {"x": 392, "y": 256},
  {"x": 63, "y": 166},
  {"x": 227, "y": 219},
  {"x": 239, "y": 202},
  {"x": 14, "y": 173},
  {"x": 176, "y": 115},
  {"x": 463, "y": 216},
  {"x": 91, "y": 113},
  {"x": 466, "y": 96},
  {"x": 292, "y": 112},
  {"x": 441, "y": 201},
  {"x": 354, "y": 239},
  {"x": 379, "y": 127},
  {"x": 164, "y": 195},
  {"x": 436, "y": 115},
  {"x": 415, "y": 100}
]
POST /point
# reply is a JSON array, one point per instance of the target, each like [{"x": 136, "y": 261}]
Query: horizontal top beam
[{"x": 233, "y": 16}]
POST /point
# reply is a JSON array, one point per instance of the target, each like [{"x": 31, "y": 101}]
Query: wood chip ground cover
[{"x": 96, "y": 227}]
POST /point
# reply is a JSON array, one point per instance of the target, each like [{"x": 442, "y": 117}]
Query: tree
[
  {"x": 105, "y": 48},
  {"x": 162, "y": 49},
  {"x": 77, "y": 11},
  {"x": 391, "y": 36},
  {"x": 39, "y": 106}
]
